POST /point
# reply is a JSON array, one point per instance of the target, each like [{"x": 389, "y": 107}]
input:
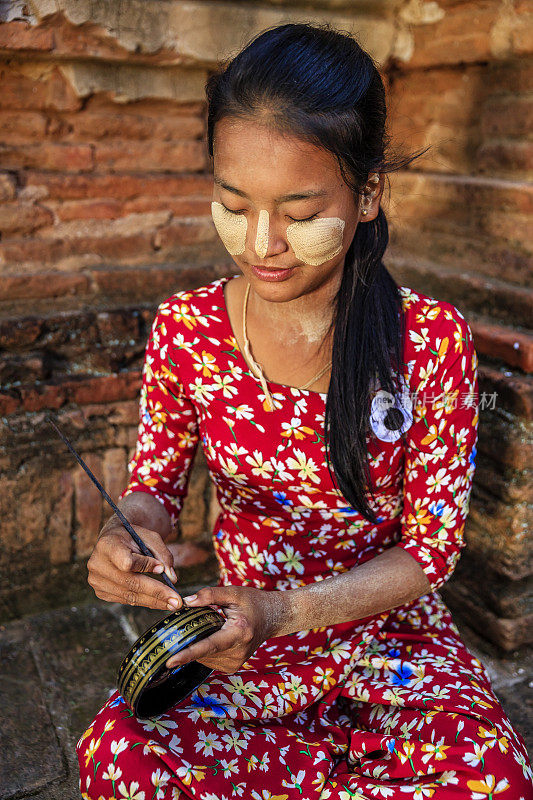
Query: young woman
[{"x": 338, "y": 415}]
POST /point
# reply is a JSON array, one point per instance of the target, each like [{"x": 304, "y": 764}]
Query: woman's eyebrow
[{"x": 286, "y": 198}]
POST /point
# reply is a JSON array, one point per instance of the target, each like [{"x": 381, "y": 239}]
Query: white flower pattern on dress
[{"x": 393, "y": 705}]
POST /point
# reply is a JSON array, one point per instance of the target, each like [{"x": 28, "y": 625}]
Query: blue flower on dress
[
  {"x": 209, "y": 703},
  {"x": 437, "y": 507},
  {"x": 282, "y": 498},
  {"x": 403, "y": 678},
  {"x": 391, "y": 415},
  {"x": 472, "y": 456},
  {"x": 119, "y": 700},
  {"x": 349, "y": 511}
]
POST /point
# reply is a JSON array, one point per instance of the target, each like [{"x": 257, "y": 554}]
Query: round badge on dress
[{"x": 391, "y": 415}]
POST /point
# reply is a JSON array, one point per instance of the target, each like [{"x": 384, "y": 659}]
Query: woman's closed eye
[
  {"x": 305, "y": 219},
  {"x": 293, "y": 219}
]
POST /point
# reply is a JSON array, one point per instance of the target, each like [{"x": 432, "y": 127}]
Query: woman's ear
[{"x": 371, "y": 196}]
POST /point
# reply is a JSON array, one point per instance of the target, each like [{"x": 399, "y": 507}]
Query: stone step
[
  {"x": 490, "y": 297},
  {"x": 476, "y": 223}
]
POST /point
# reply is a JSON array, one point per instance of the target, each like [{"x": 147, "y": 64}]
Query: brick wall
[
  {"x": 462, "y": 232},
  {"x": 104, "y": 212}
]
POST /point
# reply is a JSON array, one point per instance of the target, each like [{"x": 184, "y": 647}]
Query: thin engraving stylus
[{"x": 135, "y": 536}]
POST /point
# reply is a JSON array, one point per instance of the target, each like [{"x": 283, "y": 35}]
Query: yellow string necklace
[{"x": 256, "y": 368}]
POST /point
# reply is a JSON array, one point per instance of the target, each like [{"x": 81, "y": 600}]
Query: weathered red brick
[
  {"x": 22, "y": 367},
  {"x": 29, "y": 86},
  {"x": 19, "y": 35},
  {"x": 509, "y": 634},
  {"x": 106, "y": 389},
  {"x": 78, "y": 251},
  {"x": 510, "y": 485},
  {"x": 461, "y": 35},
  {"x": 504, "y": 157},
  {"x": 44, "y": 284},
  {"x": 23, "y": 218},
  {"x": 37, "y": 251},
  {"x": 504, "y": 442},
  {"x": 115, "y": 472},
  {"x": 17, "y": 333},
  {"x": 104, "y": 228},
  {"x": 88, "y": 209},
  {"x": 88, "y": 505},
  {"x": 507, "y": 116},
  {"x": 179, "y": 232},
  {"x": 86, "y": 41},
  {"x": 124, "y": 123},
  {"x": 152, "y": 281},
  {"x": 47, "y": 155},
  {"x": 179, "y": 206},
  {"x": 522, "y": 34},
  {"x": 513, "y": 347},
  {"x": 21, "y": 126},
  {"x": 498, "y": 535},
  {"x": 119, "y": 325},
  {"x": 59, "y": 531},
  {"x": 193, "y": 517},
  {"x": 504, "y": 302},
  {"x": 180, "y": 156},
  {"x": 7, "y": 186},
  {"x": 513, "y": 392},
  {"x": 116, "y": 185},
  {"x": 124, "y": 413}
]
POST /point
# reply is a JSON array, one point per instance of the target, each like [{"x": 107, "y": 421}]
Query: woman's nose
[{"x": 262, "y": 237}]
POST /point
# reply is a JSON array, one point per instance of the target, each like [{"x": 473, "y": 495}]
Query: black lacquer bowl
[{"x": 147, "y": 686}]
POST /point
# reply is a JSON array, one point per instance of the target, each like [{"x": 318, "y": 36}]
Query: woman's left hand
[{"x": 252, "y": 617}]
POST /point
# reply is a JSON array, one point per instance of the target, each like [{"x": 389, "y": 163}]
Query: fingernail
[
  {"x": 191, "y": 598},
  {"x": 173, "y": 602},
  {"x": 171, "y": 574},
  {"x": 159, "y": 568}
]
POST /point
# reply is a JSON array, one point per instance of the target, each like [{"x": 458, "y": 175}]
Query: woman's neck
[{"x": 306, "y": 318}]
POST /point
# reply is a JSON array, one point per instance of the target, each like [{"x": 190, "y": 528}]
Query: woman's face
[{"x": 280, "y": 203}]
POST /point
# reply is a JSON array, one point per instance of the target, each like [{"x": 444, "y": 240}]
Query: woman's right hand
[{"x": 117, "y": 569}]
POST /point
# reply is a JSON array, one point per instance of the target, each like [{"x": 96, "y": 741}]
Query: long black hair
[{"x": 320, "y": 85}]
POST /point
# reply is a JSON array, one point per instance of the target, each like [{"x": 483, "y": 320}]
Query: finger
[
  {"x": 135, "y": 589},
  {"x": 213, "y": 595},
  {"x": 216, "y": 643},
  {"x": 106, "y": 576},
  {"x": 143, "y": 601},
  {"x": 141, "y": 563},
  {"x": 122, "y": 551}
]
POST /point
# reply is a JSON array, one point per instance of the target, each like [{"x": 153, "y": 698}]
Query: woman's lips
[{"x": 272, "y": 274}]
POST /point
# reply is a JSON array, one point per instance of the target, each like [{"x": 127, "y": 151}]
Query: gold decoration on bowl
[{"x": 146, "y": 685}]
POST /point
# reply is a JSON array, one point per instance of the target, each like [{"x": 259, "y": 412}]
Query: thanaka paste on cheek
[
  {"x": 316, "y": 241},
  {"x": 261, "y": 239},
  {"x": 230, "y": 227}
]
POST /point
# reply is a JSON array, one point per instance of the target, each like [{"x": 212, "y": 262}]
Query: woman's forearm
[
  {"x": 141, "y": 508},
  {"x": 390, "y": 579}
]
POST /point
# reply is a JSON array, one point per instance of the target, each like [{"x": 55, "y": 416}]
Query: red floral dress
[{"x": 390, "y": 706}]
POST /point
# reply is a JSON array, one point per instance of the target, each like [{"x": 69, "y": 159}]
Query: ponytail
[{"x": 367, "y": 346}]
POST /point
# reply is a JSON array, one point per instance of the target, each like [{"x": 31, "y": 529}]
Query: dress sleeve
[
  {"x": 441, "y": 442},
  {"x": 167, "y": 437}
]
